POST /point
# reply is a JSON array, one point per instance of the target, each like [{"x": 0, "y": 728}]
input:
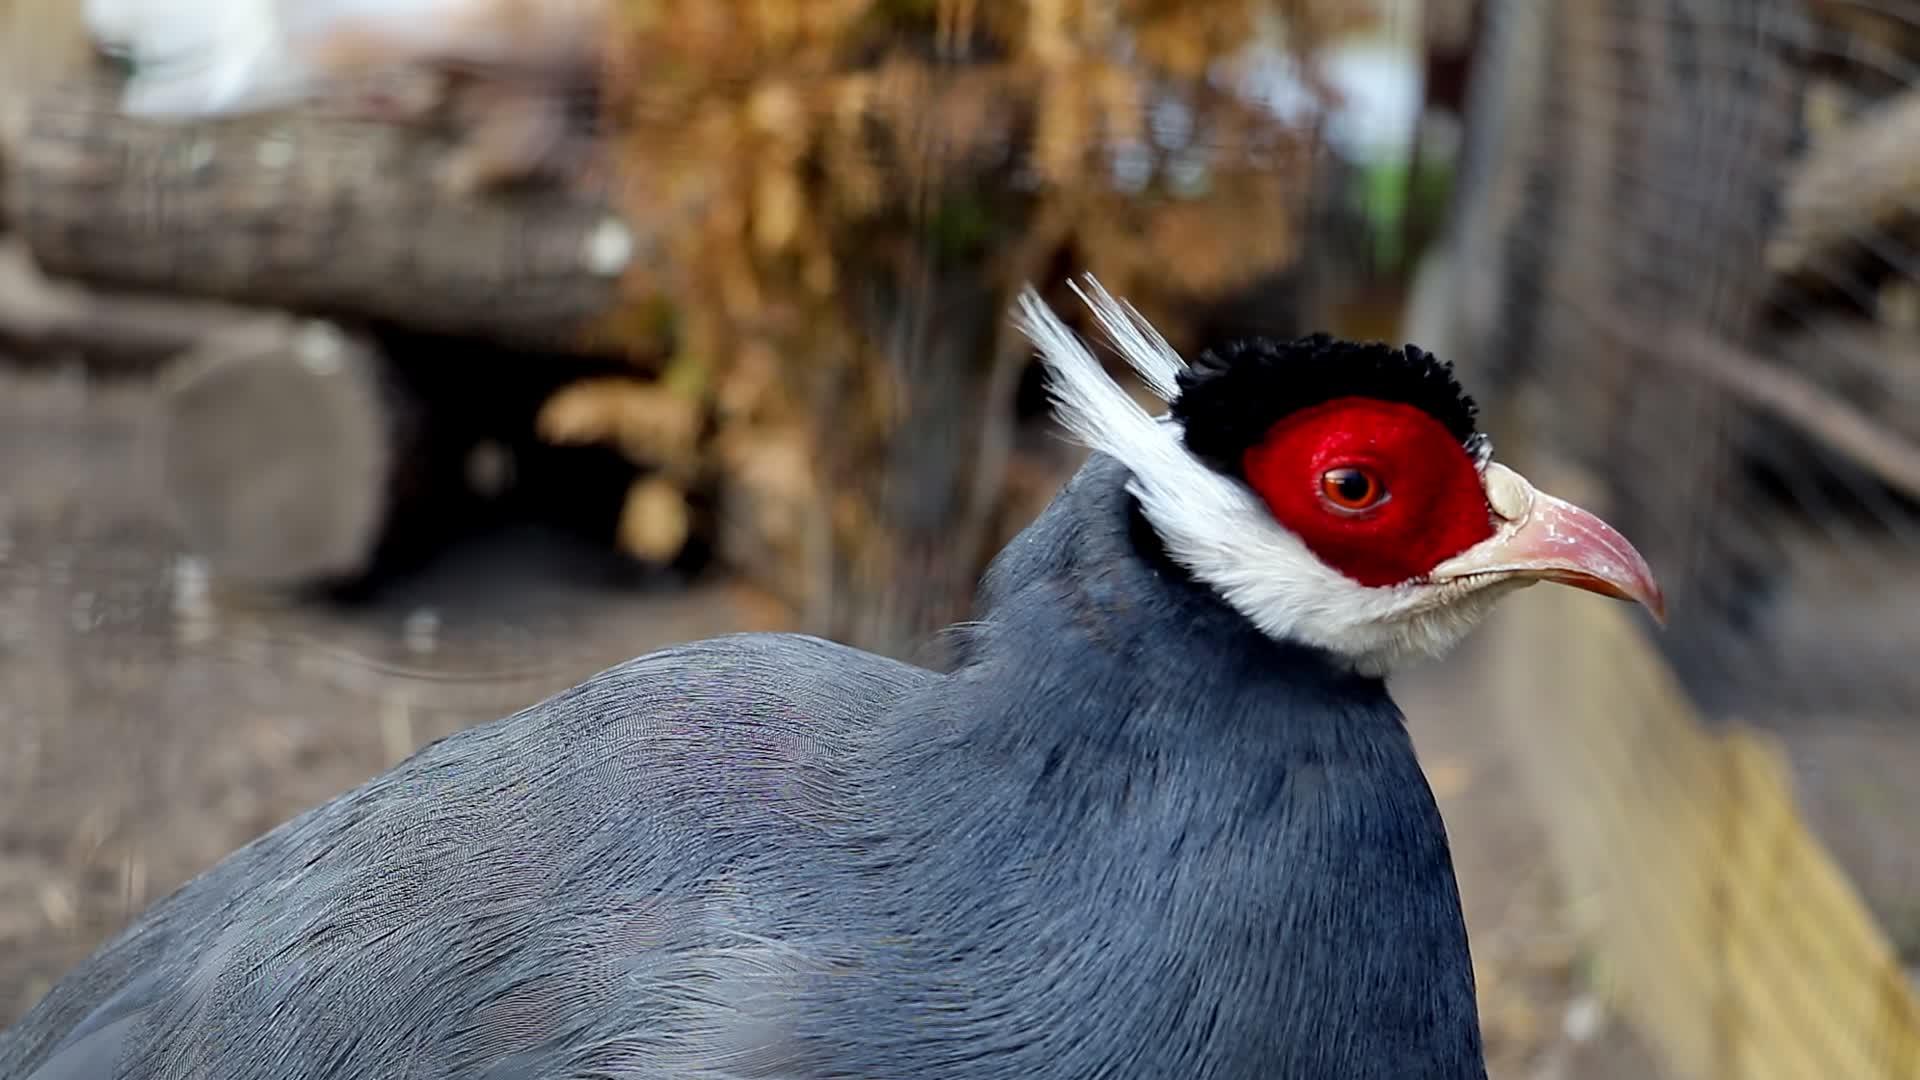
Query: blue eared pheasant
[{"x": 1159, "y": 819}]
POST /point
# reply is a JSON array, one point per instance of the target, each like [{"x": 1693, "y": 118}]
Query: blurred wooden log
[
  {"x": 40, "y": 316},
  {"x": 286, "y": 447},
  {"x": 310, "y": 212}
]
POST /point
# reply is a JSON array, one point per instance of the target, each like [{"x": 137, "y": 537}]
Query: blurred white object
[{"x": 197, "y": 58}]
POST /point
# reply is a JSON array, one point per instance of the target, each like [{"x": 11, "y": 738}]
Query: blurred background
[{"x": 363, "y": 380}]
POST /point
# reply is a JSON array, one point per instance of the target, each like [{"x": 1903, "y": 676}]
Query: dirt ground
[{"x": 149, "y": 725}]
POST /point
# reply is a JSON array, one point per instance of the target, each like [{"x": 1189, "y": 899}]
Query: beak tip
[
  {"x": 1656, "y": 605},
  {"x": 1554, "y": 540},
  {"x": 1640, "y": 589}
]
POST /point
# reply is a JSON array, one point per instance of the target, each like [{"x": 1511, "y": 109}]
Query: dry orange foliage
[
  {"x": 762, "y": 131},
  {"x": 798, "y": 158}
]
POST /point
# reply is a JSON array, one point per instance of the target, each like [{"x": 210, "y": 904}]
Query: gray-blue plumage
[{"x": 1126, "y": 836}]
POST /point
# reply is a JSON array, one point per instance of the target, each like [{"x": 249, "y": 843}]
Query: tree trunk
[
  {"x": 307, "y": 212},
  {"x": 905, "y": 564}
]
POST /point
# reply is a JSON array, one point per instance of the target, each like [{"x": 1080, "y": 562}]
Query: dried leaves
[
  {"x": 766, "y": 133},
  {"x": 801, "y": 157}
]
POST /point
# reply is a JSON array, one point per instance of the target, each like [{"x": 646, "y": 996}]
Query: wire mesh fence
[
  {"x": 1682, "y": 273},
  {"x": 1683, "y": 268}
]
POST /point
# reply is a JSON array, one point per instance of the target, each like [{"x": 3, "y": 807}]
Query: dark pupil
[{"x": 1352, "y": 485}]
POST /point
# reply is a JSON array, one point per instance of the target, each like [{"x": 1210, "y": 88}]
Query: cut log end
[{"x": 280, "y": 447}]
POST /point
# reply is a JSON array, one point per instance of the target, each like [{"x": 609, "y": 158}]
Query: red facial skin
[{"x": 1425, "y": 503}]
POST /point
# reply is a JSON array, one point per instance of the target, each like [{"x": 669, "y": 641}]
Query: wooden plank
[{"x": 1730, "y": 936}]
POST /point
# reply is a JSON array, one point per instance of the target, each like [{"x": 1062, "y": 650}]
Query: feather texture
[{"x": 1127, "y": 835}]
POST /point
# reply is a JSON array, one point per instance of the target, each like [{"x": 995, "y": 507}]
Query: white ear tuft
[
  {"x": 1140, "y": 345},
  {"x": 1089, "y": 403}
]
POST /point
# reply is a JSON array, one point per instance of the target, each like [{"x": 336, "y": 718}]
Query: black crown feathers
[{"x": 1233, "y": 392}]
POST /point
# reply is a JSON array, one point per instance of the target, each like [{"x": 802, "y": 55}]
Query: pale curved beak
[{"x": 1542, "y": 538}]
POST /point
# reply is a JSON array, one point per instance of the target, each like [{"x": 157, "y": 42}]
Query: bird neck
[{"x": 1115, "y": 738}]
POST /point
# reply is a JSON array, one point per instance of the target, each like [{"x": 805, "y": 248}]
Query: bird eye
[{"x": 1348, "y": 488}]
